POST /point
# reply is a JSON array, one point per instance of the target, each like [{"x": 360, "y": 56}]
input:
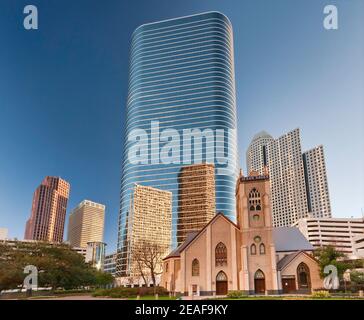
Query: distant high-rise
[
  {"x": 149, "y": 221},
  {"x": 196, "y": 199},
  {"x": 298, "y": 181},
  {"x": 181, "y": 93},
  {"x": 3, "y": 233},
  {"x": 48, "y": 214},
  {"x": 318, "y": 199},
  {"x": 86, "y": 224}
]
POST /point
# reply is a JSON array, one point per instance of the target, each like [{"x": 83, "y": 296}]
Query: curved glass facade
[{"x": 181, "y": 81}]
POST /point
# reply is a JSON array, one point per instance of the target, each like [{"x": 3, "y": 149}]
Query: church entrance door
[
  {"x": 259, "y": 282},
  {"x": 221, "y": 284}
]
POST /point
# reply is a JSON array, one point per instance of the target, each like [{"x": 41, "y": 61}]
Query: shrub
[
  {"x": 321, "y": 294},
  {"x": 121, "y": 292},
  {"x": 235, "y": 294}
]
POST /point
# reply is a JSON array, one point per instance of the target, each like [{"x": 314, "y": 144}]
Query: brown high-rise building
[
  {"x": 46, "y": 222},
  {"x": 196, "y": 198}
]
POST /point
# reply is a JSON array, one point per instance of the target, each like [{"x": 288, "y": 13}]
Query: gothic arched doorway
[
  {"x": 221, "y": 283},
  {"x": 303, "y": 277},
  {"x": 259, "y": 282}
]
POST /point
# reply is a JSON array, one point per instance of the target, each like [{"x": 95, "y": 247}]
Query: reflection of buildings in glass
[
  {"x": 110, "y": 264},
  {"x": 149, "y": 221},
  {"x": 181, "y": 75},
  {"x": 196, "y": 198},
  {"x": 95, "y": 254}
]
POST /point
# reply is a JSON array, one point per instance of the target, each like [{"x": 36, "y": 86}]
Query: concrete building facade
[
  {"x": 3, "y": 233},
  {"x": 298, "y": 180},
  {"x": 149, "y": 221},
  {"x": 48, "y": 214},
  {"x": 86, "y": 224},
  {"x": 342, "y": 233}
]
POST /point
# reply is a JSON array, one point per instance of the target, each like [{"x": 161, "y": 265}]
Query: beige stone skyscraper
[
  {"x": 86, "y": 224},
  {"x": 49, "y": 206},
  {"x": 149, "y": 221},
  {"x": 196, "y": 198},
  {"x": 298, "y": 180}
]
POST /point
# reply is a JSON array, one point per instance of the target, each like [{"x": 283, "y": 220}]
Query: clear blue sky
[{"x": 63, "y": 91}]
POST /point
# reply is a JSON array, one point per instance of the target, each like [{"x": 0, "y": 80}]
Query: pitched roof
[
  {"x": 177, "y": 252},
  {"x": 286, "y": 260},
  {"x": 192, "y": 235},
  {"x": 290, "y": 239}
]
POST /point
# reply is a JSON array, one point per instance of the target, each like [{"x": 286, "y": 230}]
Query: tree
[
  {"x": 148, "y": 258},
  {"x": 58, "y": 266},
  {"x": 328, "y": 255},
  {"x": 357, "y": 277}
]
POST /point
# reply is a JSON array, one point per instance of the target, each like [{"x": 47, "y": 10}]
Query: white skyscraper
[
  {"x": 318, "y": 200},
  {"x": 298, "y": 181}
]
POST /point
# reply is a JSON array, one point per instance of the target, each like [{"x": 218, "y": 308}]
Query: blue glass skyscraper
[{"x": 181, "y": 110}]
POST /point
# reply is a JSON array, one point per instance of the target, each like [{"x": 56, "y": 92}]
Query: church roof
[
  {"x": 290, "y": 239},
  {"x": 286, "y": 260},
  {"x": 177, "y": 252},
  {"x": 286, "y": 239}
]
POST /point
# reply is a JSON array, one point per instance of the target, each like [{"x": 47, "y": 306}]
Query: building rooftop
[{"x": 290, "y": 239}]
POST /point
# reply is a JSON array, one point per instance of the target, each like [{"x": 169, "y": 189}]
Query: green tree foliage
[
  {"x": 330, "y": 256},
  {"x": 58, "y": 266}
]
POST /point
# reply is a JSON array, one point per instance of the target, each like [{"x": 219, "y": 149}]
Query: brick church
[{"x": 250, "y": 256}]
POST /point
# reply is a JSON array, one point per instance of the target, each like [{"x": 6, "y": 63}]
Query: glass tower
[{"x": 181, "y": 110}]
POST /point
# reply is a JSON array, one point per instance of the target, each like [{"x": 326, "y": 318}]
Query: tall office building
[
  {"x": 298, "y": 181},
  {"x": 86, "y": 224},
  {"x": 48, "y": 214},
  {"x": 181, "y": 110},
  {"x": 149, "y": 221},
  {"x": 3, "y": 233},
  {"x": 318, "y": 199},
  {"x": 196, "y": 196}
]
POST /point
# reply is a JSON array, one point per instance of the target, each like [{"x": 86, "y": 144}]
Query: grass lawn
[{"x": 153, "y": 298}]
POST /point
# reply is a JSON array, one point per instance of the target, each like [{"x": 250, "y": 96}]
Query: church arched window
[
  {"x": 262, "y": 248},
  {"x": 195, "y": 267},
  {"x": 253, "y": 249},
  {"x": 220, "y": 254}
]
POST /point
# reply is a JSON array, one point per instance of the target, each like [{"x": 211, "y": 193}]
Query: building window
[
  {"x": 254, "y": 200},
  {"x": 256, "y": 217},
  {"x": 253, "y": 249},
  {"x": 262, "y": 248},
  {"x": 220, "y": 255},
  {"x": 195, "y": 268},
  {"x": 167, "y": 267},
  {"x": 257, "y": 239}
]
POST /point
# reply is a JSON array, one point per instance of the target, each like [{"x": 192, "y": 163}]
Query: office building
[
  {"x": 298, "y": 180},
  {"x": 196, "y": 198},
  {"x": 181, "y": 95},
  {"x": 86, "y": 224},
  {"x": 95, "y": 254},
  {"x": 110, "y": 264},
  {"x": 318, "y": 200},
  {"x": 46, "y": 222},
  {"x": 342, "y": 233},
  {"x": 3, "y": 233},
  {"x": 149, "y": 221}
]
